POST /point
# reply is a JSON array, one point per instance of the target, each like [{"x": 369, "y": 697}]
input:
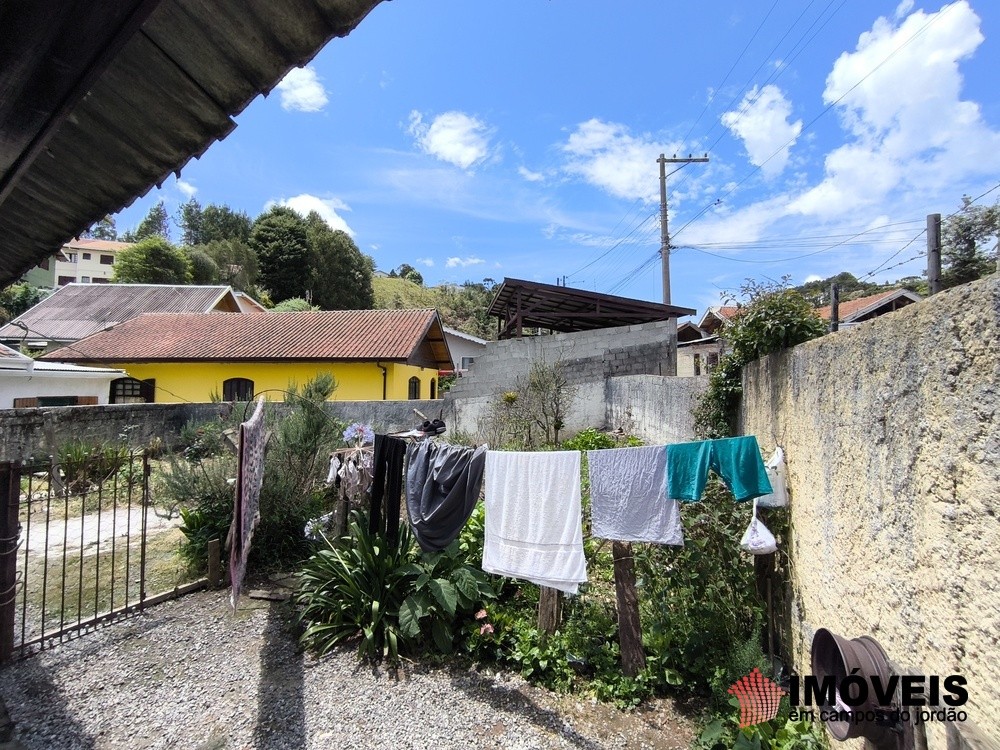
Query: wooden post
[
  {"x": 549, "y": 610},
  {"x": 215, "y": 563},
  {"x": 834, "y": 308},
  {"x": 629, "y": 627},
  {"x": 10, "y": 492}
]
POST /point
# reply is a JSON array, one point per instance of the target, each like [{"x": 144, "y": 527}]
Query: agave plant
[{"x": 354, "y": 588}]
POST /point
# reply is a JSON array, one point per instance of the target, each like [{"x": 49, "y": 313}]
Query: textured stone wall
[
  {"x": 656, "y": 409},
  {"x": 40, "y": 432},
  {"x": 890, "y": 431}
]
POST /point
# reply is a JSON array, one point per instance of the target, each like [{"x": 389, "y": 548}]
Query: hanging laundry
[
  {"x": 246, "y": 511},
  {"x": 628, "y": 500},
  {"x": 737, "y": 460},
  {"x": 442, "y": 489},
  {"x": 387, "y": 487},
  {"x": 534, "y": 529}
]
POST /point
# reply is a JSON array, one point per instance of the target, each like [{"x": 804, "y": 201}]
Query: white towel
[
  {"x": 628, "y": 499},
  {"x": 533, "y": 518}
]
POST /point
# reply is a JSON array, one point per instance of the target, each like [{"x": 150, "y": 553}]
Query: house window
[
  {"x": 84, "y": 279},
  {"x": 107, "y": 260},
  {"x": 414, "y": 387},
  {"x": 237, "y": 389},
  {"x": 697, "y": 364},
  {"x": 466, "y": 361},
  {"x": 132, "y": 391},
  {"x": 86, "y": 256},
  {"x": 433, "y": 388},
  {"x": 71, "y": 257},
  {"x": 712, "y": 362},
  {"x": 98, "y": 280},
  {"x": 64, "y": 280}
]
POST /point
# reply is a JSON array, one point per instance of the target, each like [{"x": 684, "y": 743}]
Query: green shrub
[
  {"x": 355, "y": 588},
  {"x": 446, "y": 592},
  {"x": 724, "y": 733},
  {"x": 699, "y": 602}
]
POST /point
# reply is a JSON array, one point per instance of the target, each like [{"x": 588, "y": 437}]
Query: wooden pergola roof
[
  {"x": 100, "y": 101},
  {"x": 520, "y": 304}
]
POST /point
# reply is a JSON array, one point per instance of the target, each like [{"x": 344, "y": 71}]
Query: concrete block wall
[
  {"x": 656, "y": 409},
  {"x": 890, "y": 432},
  {"x": 589, "y": 359}
]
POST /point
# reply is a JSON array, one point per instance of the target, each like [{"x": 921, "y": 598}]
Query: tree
[
  {"x": 155, "y": 224},
  {"x": 236, "y": 263},
  {"x": 189, "y": 219},
  {"x": 818, "y": 292},
  {"x": 18, "y": 298},
  {"x": 408, "y": 272},
  {"x": 279, "y": 239},
  {"x": 219, "y": 223},
  {"x": 103, "y": 230},
  {"x": 965, "y": 240},
  {"x": 152, "y": 261},
  {"x": 341, "y": 273},
  {"x": 204, "y": 270}
]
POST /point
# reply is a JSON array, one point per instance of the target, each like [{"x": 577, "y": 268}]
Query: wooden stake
[
  {"x": 629, "y": 626},
  {"x": 549, "y": 610}
]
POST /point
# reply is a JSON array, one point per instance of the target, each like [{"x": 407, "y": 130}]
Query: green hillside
[{"x": 462, "y": 307}]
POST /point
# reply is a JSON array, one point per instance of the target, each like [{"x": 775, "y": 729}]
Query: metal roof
[
  {"x": 75, "y": 311},
  {"x": 100, "y": 101},
  {"x": 529, "y": 304}
]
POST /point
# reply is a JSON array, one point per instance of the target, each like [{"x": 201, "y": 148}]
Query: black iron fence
[{"x": 74, "y": 538}]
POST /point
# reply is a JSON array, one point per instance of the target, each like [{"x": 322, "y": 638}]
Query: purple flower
[{"x": 362, "y": 433}]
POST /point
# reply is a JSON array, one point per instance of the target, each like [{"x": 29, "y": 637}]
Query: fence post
[{"x": 10, "y": 492}]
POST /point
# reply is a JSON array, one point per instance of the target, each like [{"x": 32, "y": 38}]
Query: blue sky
[{"x": 519, "y": 138}]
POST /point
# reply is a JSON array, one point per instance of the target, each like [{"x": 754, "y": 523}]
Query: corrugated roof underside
[{"x": 168, "y": 94}]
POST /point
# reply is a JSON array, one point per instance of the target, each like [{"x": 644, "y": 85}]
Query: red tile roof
[
  {"x": 851, "y": 308},
  {"x": 339, "y": 335}
]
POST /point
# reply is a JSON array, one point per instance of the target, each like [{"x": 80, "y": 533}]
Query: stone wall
[
  {"x": 890, "y": 431},
  {"x": 40, "y": 432}
]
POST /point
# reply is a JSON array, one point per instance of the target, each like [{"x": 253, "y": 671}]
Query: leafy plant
[
  {"x": 781, "y": 733},
  {"x": 354, "y": 589},
  {"x": 446, "y": 590},
  {"x": 775, "y": 318}
]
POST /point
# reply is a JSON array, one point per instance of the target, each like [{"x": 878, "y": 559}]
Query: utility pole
[
  {"x": 665, "y": 249},
  {"x": 664, "y": 230},
  {"x": 933, "y": 253}
]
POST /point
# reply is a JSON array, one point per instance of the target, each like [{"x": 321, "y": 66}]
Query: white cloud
[
  {"x": 453, "y": 137},
  {"x": 529, "y": 175},
  {"x": 608, "y": 156},
  {"x": 812, "y": 277},
  {"x": 429, "y": 262},
  {"x": 187, "y": 188},
  {"x": 463, "y": 262},
  {"x": 911, "y": 131},
  {"x": 302, "y": 91},
  {"x": 761, "y": 122},
  {"x": 327, "y": 208}
]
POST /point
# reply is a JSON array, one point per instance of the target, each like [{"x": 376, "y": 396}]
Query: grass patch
[{"x": 104, "y": 578}]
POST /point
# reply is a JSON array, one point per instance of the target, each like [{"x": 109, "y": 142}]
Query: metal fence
[{"x": 74, "y": 535}]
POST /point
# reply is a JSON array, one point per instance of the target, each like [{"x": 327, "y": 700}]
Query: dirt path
[{"x": 92, "y": 530}]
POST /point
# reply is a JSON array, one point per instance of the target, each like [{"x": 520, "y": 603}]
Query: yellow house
[{"x": 174, "y": 357}]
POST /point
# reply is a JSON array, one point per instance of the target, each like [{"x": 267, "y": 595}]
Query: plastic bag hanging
[
  {"x": 775, "y": 469},
  {"x": 757, "y": 539}
]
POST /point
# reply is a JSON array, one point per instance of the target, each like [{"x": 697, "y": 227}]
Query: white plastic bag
[
  {"x": 757, "y": 539},
  {"x": 776, "y": 474}
]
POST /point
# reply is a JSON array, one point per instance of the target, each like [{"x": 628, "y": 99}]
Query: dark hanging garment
[
  {"x": 387, "y": 486},
  {"x": 442, "y": 488}
]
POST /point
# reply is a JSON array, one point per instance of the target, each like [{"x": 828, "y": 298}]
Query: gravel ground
[{"x": 190, "y": 674}]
